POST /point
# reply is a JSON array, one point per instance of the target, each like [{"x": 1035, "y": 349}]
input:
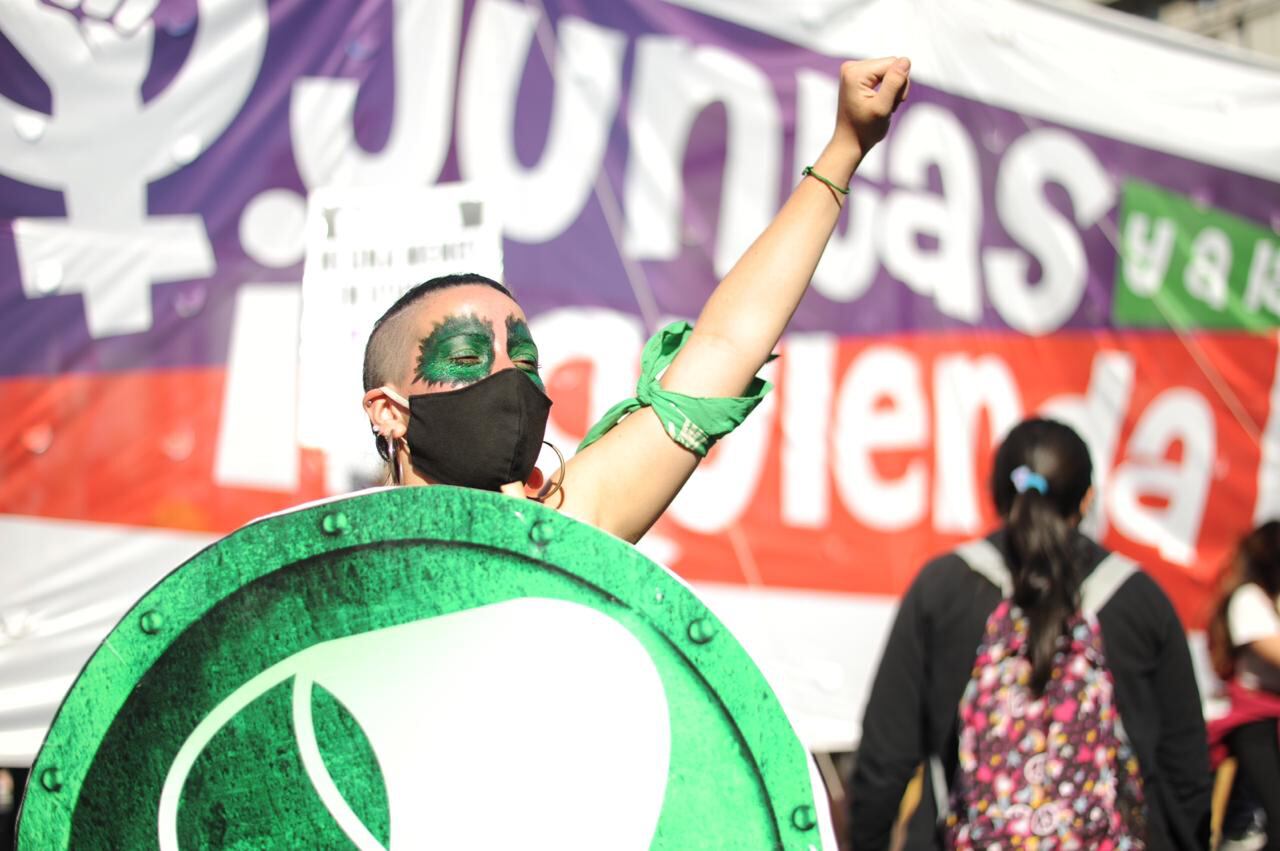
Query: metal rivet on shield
[
  {"x": 49, "y": 780},
  {"x": 701, "y": 631},
  {"x": 658, "y": 596},
  {"x": 802, "y": 818},
  {"x": 335, "y": 523},
  {"x": 542, "y": 533},
  {"x": 151, "y": 622}
]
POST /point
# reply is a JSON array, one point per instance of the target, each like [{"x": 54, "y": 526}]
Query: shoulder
[
  {"x": 1251, "y": 614},
  {"x": 1141, "y": 584},
  {"x": 1250, "y": 595},
  {"x": 1139, "y": 602},
  {"x": 943, "y": 570},
  {"x": 1141, "y": 589},
  {"x": 945, "y": 579},
  {"x": 1141, "y": 628}
]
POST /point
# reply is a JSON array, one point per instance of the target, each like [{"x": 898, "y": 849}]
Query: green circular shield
[{"x": 414, "y": 668}]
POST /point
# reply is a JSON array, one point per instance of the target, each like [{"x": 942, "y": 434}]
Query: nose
[{"x": 501, "y": 361}]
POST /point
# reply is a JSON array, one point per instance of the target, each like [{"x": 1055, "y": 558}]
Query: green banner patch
[{"x": 1183, "y": 265}]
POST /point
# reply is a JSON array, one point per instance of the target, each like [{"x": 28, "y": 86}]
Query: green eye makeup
[
  {"x": 521, "y": 349},
  {"x": 459, "y": 351}
]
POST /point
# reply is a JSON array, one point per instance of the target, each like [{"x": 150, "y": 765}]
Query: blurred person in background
[
  {"x": 12, "y": 783},
  {"x": 451, "y": 370},
  {"x": 1044, "y": 684},
  {"x": 1244, "y": 641},
  {"x": 8, "y": 808}
]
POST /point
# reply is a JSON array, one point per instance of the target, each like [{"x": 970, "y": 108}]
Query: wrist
[{"x": 839, "y": 159}]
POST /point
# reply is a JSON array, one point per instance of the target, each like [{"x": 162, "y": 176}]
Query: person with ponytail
[
  {"x": 1043, "y": 684},
  {"x": 1244, "y": 642}
]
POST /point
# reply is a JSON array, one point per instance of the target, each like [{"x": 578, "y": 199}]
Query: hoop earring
[
  {"x": 559, "y": 479},
  {"x": 397, "y": 474}
]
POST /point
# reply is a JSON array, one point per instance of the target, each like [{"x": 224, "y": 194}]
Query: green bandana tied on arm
[{"x": 694, "y": 423}]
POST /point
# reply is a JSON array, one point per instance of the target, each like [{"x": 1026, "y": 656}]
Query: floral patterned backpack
[{"x": 1049, "y": 772}]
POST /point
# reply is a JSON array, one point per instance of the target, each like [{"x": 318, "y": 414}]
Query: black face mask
[{"x": 484, "y": 435}]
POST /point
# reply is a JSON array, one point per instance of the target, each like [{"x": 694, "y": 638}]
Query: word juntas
[{"x": 916, "y": 213}]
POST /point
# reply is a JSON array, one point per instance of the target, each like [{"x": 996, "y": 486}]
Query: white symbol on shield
[
  {"x": 550, "y": 712},
  {"x": 103, "y": 145}
]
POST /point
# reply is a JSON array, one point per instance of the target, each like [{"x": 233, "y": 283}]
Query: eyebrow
[
  {"x": 518, "y": 332},
  {"x": 459, "y": 325}
]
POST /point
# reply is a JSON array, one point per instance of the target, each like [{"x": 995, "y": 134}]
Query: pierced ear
[{"x": 385, "y": 416}]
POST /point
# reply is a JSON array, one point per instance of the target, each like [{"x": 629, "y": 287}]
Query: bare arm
[{"x": 624, "y": 481}]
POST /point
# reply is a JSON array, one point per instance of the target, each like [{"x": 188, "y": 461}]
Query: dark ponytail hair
[
  {"x": 1256, "y": 560},
  {"x": 1042, "y": 474}
]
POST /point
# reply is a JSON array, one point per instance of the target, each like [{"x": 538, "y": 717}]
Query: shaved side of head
[
  {"x": 390, "y": 347},
  {"x": 392, "y": 342}
]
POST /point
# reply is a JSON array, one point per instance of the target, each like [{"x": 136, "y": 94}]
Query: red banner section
[
  {"x": 135, "y": 448},
  {"x": 871, "y": 456},
  {"x": 878, "y": 452}
]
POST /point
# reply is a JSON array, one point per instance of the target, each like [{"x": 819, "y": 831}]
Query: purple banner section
[{"x": 970, "y": 216}]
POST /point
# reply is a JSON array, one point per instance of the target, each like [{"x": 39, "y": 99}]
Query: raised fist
[
  {"x": 125, "y": 16},
  {"x": 870, "y": 91},
  {"x": 96, "y": 48}
]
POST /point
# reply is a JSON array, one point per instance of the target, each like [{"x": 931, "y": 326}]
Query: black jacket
[{"x": 912, "y": 711}]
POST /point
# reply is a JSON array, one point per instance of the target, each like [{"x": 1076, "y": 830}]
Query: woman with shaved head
[{"x": 451, "y": 370}]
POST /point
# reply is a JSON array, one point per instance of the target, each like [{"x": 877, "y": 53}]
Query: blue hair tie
[{"x": 1024, "y": 479}]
